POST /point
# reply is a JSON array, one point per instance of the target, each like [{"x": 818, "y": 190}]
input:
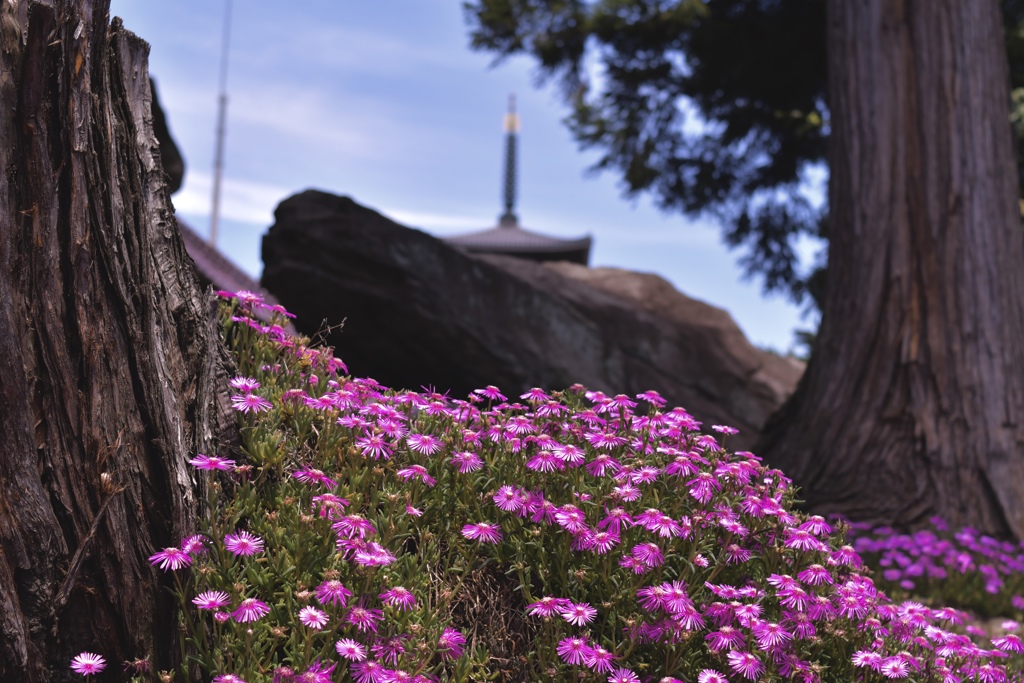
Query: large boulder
[{"x": 419, "y": 313}]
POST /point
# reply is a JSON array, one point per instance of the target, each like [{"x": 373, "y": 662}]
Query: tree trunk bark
[
  {"x": 913, "y": 402},
  {"x": 109, "y": 361}
]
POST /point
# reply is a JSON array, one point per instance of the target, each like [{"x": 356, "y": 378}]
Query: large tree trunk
[
  {"x": 913, "y": 403},
  {"x": 108, "y": 359}
]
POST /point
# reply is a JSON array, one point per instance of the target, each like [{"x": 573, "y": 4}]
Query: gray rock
[{"x": 419, "y": 313}]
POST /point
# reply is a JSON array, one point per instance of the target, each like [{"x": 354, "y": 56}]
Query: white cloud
[{"x": 241, "y": 200}]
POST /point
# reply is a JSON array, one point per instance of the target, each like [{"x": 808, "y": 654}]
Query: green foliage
[{"x": 713, "y": 107}]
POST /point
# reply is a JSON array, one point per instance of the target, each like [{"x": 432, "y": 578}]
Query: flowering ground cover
[{"x": 380, "y": 536}]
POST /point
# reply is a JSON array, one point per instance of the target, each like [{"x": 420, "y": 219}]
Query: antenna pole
[{"x": 222, "y": 110}]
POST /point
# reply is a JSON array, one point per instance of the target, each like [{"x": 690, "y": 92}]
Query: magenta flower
[
  {"x": 313, "y": 618},
  {"x": 424, "y": 443},
  {"x": 228, "y": 678},
  {"x": 573, "y": 650},
  {"x": 723, "y": 429},
  {"x": 333, "y": 592},
  {"x": 599, "y": 660},
  {"x": 413, "y": 511},
  {"x": 451, "y": 644},
  {"x": 171, "y": 559},
  {"x": 711, "y": 676},
  {"x": 374, "y": 446},
  {"x": 569, "y": 454},
  {"x": 467, "y": 461},
  {"x": 243, "y": 543},
  {"x": 509, "y": 499},
  {"x": 894, "y": 667},
  {"x": 88, "y": 664},
  {"x": 350, "y": 650},
  {"x": 194, "y": 545},
  {"x": 545, "y": 461},
  {"x": 373, "y": 555},
  {"x": 725, "y": 638},
  {"x": 318, "y": 673},
  {"x": 416, "y": 472},
  {"x": 770, "y": 636},
  {"x": 622, "y": 675},
  {"x": 579, "y": 614},
  {"x": 649, "y": 554},
  {"x": 491, "y": 392},
  {"x": 246, "y": 384},
  {"x": 369, "y": 672},
  {"x": 745, "y": 664},
  {"x": 703, "y": 486},
  {"x": 571, "y": 518},
  {"x": 547, "y": 606},
  {"x": 483, "y": 532},
  {"x": 364, "y": 619},
  {"x": 250, "y": 609},
  {"x": 211, "y": 600},
  {"x": 250, "y": 403},
  {"x": 398, "y": 597},
  {"x": 211, "y": 462},
  {"x": 312, "y": 476}
]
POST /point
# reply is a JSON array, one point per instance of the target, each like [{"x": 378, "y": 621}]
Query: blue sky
[{"x": 383, "y": 101}]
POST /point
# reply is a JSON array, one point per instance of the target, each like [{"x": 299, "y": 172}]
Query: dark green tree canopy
[{"x": 715, "y": 107}]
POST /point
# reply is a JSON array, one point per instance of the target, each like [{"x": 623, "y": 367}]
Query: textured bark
[
  {"x": 108, "y": 357},
  {"x": 913, "y": 403}
]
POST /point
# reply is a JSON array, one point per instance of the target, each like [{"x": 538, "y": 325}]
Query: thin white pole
[{"x": 222, "y": 111}]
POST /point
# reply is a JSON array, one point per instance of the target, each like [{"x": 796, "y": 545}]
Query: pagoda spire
[{"x": 511, "y": 130}]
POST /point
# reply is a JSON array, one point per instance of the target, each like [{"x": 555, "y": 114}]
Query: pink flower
[
  {"x": 228, "y": 678},
  {"x": 412, "y": 511},
  {"x": 211, "y": 600},
  {"x": 571, "y": 518},
  {"x": 350, "y": 650},
  {"x": 491, "y": 392},
  {"x": 333, "y": 592},
  {"x": 485, "y": 533},
  {"x": 398, "y": 597},
  {"x": 508, "y": 499},
  {"x": 547, "y": 606},
  {"x": 725, "y": 638},
  {"x": 250, "y": 609},
  {"x": 467, "y": 461},
  {"x": 599, "y": 660},
  {"x": 451, "y": 644},
  {"x": 364, "y": 619},
  {"x": 373, "y": 555},
  {"x": 711, "y": 676},
  {"x": 573, "y": 650},
  {"x": 194, "y": 544},
  {"x": 211, "y": 462},
  {"x": 171, "y": 559},
  {"x": 313, "y": 618},
  {"x": 745, "y": 664},
  {"x": 352, "y": 526},
  {"x": 369, "y": 672},
  {"x": 622, "y": 675},
  {"x": 649, "y": 554},
  {"x": 88, "y": 664},
  {"x": 243, "y": 543},
  {"x": 416, "y": 472},
  {"x": 312, "y": 476},
  {"x": 374, "y": 446},
  {"x": 245, "y": 384},
  {"x": 250, "y": 403},
  {"x": 424, "y": 443},
  {"x": 579, "y": 614},
  {"x": 770, "y": 635}
]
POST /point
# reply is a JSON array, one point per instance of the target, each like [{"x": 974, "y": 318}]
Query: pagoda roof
[{"x": 508, "y": 237}]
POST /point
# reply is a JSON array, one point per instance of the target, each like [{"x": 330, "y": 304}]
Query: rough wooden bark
[
  {"x": 913, "y": 403},
  {"x": 108, "y": 358}
]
